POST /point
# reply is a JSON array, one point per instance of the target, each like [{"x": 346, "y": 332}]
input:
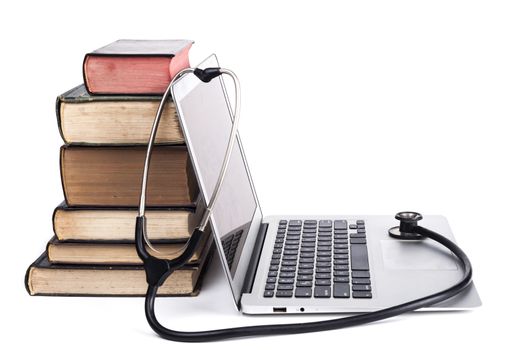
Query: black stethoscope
[{"x": 157, "y": 270}]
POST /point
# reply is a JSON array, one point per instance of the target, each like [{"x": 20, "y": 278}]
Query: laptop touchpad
[{"x": 416, "y": 255}]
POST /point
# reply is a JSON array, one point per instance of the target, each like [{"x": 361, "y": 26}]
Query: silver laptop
[{"x": 302, "y": 264}]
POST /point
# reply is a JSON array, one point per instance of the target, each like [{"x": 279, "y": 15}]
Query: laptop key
[
  {"x": 360, "y": 274},
  {"x": 271, "y": 280},
  {"x": 285, "y": 287},
  {"x": 341, "y": 274},
  {"x": 284, "y": 293},
  {"x": 286, "y": 281},
  {"x": 323, "y": 270},
  {"x": 358, "y": 240},
  {"x": 365, "y": 295},
  {"x": 341, "y": 290},
  {"x": 361, "y": 288},
  {"x": 289, "y": 257},
  {"x": 340, "y": 225},
  {"x": 341, "y": 262},
  {"x": 287, "y": 268},
  {"x": 304, "y": 283},
  {"x": 341, "y": 279},
  {"x": 359, "y": 257},
  {"x": 322, "y": 292},
  {"x": 323, "y": 282},
  {"x": 270, "y": 286},
  {"x": 303, "y": 292},
  {"x": 290, "y": 252},
  {"x": 305, "y": 277},
  {"x": 295, "y": 223},
  {"x": 268, "y": 293},
  {"x": 306, "y": 271},
  {"x": 325, "y": 223},
  {"x": 287, "y": 275},
  {"x": 361, "y": 281}
]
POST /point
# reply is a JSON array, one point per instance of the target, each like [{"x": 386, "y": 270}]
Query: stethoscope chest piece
[{"x": 407, "y": 224}]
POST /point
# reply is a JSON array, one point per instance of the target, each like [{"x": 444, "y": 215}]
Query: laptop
[{"x": 302, "y": 264}]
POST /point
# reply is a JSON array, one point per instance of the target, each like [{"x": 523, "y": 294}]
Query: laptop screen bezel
[{"x": 179, "y": 90}]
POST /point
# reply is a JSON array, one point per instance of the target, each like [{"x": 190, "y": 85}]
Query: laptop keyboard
[{"x": 319, "y": 259}]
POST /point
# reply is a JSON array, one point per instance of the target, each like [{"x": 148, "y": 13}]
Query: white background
[{"x": 367, "y": 108}]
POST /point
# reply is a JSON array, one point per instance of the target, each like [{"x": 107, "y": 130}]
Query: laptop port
[{"x": 279, "y": 309}]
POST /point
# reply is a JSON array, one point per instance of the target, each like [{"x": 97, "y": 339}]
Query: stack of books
[{"x": 105, "y": 124}]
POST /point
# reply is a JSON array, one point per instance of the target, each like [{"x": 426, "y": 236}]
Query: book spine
[{"x": 58, "y": 111}]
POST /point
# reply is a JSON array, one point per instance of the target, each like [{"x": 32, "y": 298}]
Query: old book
[
  {"x": 135, "y": 66},
  {"x": 114, "y": 119},
  {"x": 112, "y": 253},
  {"x": 112, "y": 176},
  {"x": 100, "y": 224},
  {"x": 45, "y": 278}
]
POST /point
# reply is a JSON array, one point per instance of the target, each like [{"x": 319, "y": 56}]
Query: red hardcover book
[{"x": 136, "y": 67}]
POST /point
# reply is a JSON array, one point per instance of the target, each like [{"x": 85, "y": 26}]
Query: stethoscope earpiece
[{"x": 407, "y": 226}]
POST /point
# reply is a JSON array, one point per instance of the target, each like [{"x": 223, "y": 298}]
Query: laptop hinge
[{"x": 254, "y": 260}]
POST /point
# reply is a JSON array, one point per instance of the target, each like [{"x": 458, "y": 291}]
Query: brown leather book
[{"x": 112, "y": 176}]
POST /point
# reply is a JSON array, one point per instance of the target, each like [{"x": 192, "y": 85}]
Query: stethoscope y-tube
[{"x": 157, "y": 270}]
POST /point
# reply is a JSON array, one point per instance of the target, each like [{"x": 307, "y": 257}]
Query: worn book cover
[{"x": 85, "y": 119}]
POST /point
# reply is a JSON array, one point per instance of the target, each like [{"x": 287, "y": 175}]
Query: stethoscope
[{"x": 157, "y": 270}]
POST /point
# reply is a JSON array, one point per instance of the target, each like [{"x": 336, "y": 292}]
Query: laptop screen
[{"x": 206, "y": 120}]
